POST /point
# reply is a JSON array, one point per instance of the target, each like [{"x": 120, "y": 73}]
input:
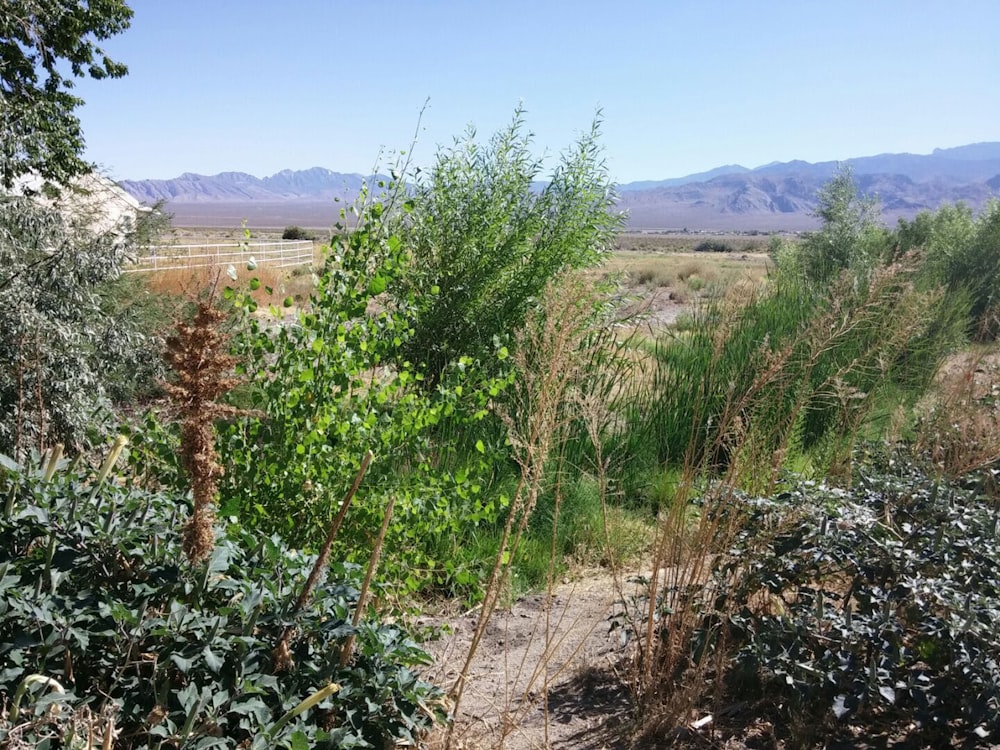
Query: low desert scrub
[
  {"x": 958, "y": 423},
  {"x": 650, "y": 275},
  {"x": 686, "y": 275}
]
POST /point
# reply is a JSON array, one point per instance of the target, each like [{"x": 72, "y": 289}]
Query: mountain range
[{"x": 776, "y": 196}]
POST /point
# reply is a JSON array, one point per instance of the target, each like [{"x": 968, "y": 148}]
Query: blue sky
[{"x": 262, "y": 85}]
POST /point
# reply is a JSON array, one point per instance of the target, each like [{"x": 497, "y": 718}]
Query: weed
[{"x": 958, "y": 423}]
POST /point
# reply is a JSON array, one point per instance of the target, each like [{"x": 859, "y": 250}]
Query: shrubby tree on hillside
[{"x": 44, "y": 45}]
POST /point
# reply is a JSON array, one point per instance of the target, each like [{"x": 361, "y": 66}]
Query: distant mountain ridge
[
  {"x": 782, "y": 195},
  {"x": 316, "y": 183},
  {"x": 976, "y": 162},
  {"x": 776, "y": 196}
]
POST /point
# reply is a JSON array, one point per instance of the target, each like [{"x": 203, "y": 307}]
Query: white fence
[{"x": 276, "y": 254}]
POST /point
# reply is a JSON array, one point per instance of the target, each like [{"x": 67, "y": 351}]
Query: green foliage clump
[
  {"x": 850, "y": 238},
  {"x": 296, "y": 233},
  {"x": 877, "y": 605},
  {"x": 334, "y": 385},
  {"x": 962, "y": 253},
  {"x": 486, "y": 238},
  {"x": 69, "y": 341},
  {"x": 45, "y": 45},
  {"x": 95, "y": 594}
]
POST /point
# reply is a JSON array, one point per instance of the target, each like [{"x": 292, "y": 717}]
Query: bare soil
[{"x": 545, "y": 673}]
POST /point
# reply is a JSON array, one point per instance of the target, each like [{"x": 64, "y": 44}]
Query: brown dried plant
[
  {"x": 200, "y": 358},
  {"x": 958, "y": 425}
]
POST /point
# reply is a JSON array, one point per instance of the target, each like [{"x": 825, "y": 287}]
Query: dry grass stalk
[
  {"x": 959, "y": 424},
  {"x": 550, "y": 356}
]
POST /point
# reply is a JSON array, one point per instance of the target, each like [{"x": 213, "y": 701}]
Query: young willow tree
[
  {"x": 486, "y": 238},
  {"x": 851, "y": 236}
]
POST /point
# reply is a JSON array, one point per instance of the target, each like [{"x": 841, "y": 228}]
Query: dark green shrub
[
  {"x": 714, "y": 246},
  {"x": 296, "y": 233},
  {"x": 876, "y": 607},
  {"x": 95, "y": 593}
]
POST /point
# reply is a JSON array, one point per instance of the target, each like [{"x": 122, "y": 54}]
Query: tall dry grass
[
  {"x": 563, "y": 380},
  {"x": 958, "y": 424},
  {"x": 784, "y": 371}
]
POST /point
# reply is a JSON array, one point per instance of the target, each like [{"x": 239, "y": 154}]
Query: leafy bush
[
  {"x": 296, "y": 233},
  {"x": 335, "y": 385},
  {"x": 876, "y": 605},
  {"x": 68, "y": 344},
  {"x": 95, "y": 593},
  {"x": 486, "y": 239}
]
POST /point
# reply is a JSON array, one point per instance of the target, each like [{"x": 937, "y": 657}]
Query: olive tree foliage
[
  {"x": 44, "y": 45},
  {"x": 486, "y": 238},
  {"x": 69, "y": 346}
]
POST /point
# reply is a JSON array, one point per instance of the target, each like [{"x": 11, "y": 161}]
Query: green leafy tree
[
  {"x": 331, "y": 386},
  {"x": 44, "y": 45},
  {"x": 486, "y": 239},
  {"x": 851, "y": 236}
]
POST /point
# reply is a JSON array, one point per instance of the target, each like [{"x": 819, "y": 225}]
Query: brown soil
[{"x": 544, "y": 675}]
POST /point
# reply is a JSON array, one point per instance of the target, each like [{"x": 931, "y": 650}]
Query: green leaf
[
  {"x": 212, "y": 661},
  {"x": 184, "y": 665},
  {"x": 480, "y": 446},
  {"x": 377, "y": 285}
]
